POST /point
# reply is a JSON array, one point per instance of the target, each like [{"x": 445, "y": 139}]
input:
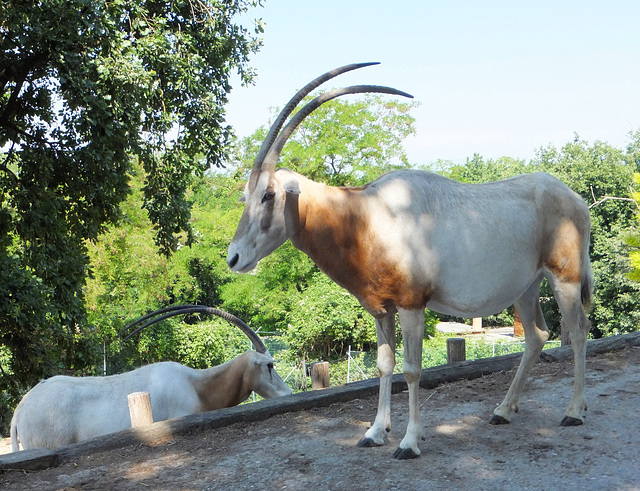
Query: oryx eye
[{"x": 269, "y": 195}]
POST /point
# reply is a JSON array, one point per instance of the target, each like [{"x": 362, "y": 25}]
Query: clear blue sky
[{"x": 498, "y": 78}]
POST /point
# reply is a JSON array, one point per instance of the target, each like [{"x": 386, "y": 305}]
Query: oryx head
[{"x": 264, "y": 225}]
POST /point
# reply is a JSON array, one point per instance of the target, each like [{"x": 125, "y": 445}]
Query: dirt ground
[{"x": 316, "y": 450}]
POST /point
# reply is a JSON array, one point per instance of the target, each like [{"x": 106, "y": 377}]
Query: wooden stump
[
  {"x": 320, "y": 375},
  {"x": 140, "y": 409},
  {"x": 456, "y": 350}
]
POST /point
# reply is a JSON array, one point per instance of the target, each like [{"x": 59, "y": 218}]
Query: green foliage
[
  {"x": 269, "y": 295},
  {"x": 633, "y": 239},
  {"x": 326, "y": 320},
  {"x": 616, "y": 306},
  {"x": 345, "y": 142},
  {"x": 434, "y": 353},
  {"x": 203, "y": 344},
  {"x": 350, "y": 143},
  {"x": 129, "y": 278},
  {"x": 209, "y": 343},
  {"x": 192, "y": 341},
  {"x": 84, "y": 87},
  {"x": 476, "y": 169},
  {"x": 362, "y": 367}
]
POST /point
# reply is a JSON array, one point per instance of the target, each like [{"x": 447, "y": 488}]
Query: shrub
[{"x": 327, "y": 320}]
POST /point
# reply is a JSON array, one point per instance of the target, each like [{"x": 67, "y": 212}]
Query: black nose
[{"x": 232, "y": 261}]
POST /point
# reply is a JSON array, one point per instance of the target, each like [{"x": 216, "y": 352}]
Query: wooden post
[
  {"x": 320, "y": 375},
  {"x": 140, "y": 409},
  {"x": 456, "y": 350}
]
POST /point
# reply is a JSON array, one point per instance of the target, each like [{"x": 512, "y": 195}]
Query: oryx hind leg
[
  {"x": 535, "y": 336},
  {"x": 574, "y": 318}
]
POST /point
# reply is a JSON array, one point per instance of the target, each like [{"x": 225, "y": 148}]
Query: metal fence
[{"x": 359, "y": 365}]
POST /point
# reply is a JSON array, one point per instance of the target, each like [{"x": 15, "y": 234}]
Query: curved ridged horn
[
  {"x": 192, "y": 309},
  {"x": 293, "y": 103},
  {"x": 271, "y": 159}
]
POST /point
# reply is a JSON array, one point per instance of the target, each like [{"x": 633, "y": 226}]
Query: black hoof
[
  {"x": 569, "y": 421},
  {"x": 498, "y": 420},
  {"x": 367, "y": 443},
  {"x": 405, "y": 454}
]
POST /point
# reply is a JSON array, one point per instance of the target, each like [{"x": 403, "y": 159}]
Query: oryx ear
[{"x": 292, "y": 186}]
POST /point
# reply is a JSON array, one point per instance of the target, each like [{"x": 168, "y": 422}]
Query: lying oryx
[
  {"x": 63, "y": 410},
  {"x": 412, "y": 240}
]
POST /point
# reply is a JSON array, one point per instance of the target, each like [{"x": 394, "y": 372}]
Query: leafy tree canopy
[
  {"x": 345, "y": 142},
  {"x": 84, "y": 86}
]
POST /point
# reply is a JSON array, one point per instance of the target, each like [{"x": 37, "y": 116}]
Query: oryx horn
[{"x": 174, "y": 310}]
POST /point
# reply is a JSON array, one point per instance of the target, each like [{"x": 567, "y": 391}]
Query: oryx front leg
[
  {"x": 385, "y": 329},
  {"x": 412, "y": 322}
]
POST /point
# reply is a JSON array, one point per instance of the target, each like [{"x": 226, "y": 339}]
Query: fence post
[
  {"x": 140, "y": 409},
  {"x": 320, "y": 375},
  {"x": 305, "y": 383},
  {"x": 456, "y": 350}
]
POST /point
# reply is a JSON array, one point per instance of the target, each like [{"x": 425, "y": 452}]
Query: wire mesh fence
[{"x": 360, "y": 365}]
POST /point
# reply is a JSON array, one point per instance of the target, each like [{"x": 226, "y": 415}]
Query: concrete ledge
[{"x": 164, "y": 431}]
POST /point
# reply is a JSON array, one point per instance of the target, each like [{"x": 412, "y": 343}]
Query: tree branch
[
  {"x": 19, "y": 74},
  {"x": 29, "y": 138},
  {"x": 606, "y": 198}
]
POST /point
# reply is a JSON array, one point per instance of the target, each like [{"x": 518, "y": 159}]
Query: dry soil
[{"x": 316, "y": 450}]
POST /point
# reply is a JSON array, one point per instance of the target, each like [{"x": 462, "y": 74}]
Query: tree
[
  {"x": 84, "y": 86},
  {"x": 326, "y": 319},
  {"x": 476, "y": 169},
  {"x": 345, "y": 142}
]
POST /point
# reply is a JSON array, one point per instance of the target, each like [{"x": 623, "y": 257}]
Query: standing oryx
[{"x": 412, "y": 240}]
